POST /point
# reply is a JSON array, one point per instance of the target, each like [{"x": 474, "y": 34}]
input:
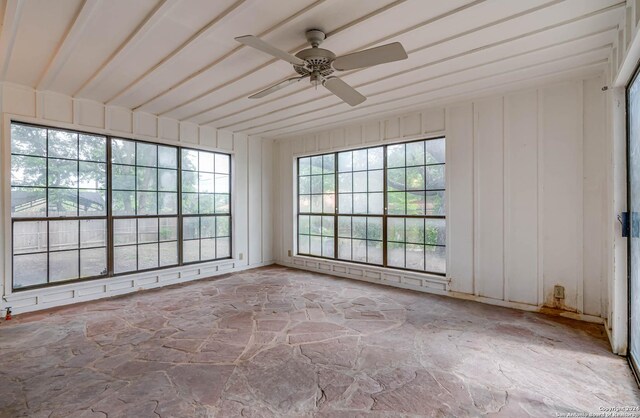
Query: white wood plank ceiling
[{"x": 178, "y": 58}]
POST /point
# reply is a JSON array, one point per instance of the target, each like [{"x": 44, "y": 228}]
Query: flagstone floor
[{"x": 279, "y": 342}]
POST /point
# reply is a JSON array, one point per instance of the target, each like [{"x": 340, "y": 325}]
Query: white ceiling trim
[
  {"x": 202, "y": 32},
  {"x": 67, "y": 44},
  {"x": 121, "y": 52}
]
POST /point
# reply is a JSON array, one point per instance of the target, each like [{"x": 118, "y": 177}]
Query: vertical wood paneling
[
  {"x": 460, "y": 190},
  {"x": 240, "y": 209},
  {"x": 268, "y": 197},
  {"x": 521, "y": 197},
  {"x": 489, "y": 195},
  {"x": 562, "y": 205},
  {"x": 254, "y": 159}
]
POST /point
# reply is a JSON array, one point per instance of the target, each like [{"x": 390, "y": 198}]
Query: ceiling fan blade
[
  {"x": 370, "y": 57},
  {"x": 259, "y": 44},
  {"x": 279, "y": 85},
  {"x": 344, "y": 91}
]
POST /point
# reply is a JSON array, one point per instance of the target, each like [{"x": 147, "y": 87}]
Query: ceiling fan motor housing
[{"x": 317, "y": 60}]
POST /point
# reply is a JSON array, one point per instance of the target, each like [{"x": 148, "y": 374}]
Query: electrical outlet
[
  {"x": 558, "y": 292},
  {"x": 240, "y": 255},
  {"x": 289, "y": 253}
]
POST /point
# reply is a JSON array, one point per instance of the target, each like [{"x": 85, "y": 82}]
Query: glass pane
[
  {"x": 205, "y": 162},
  {"x": 147, "y": 230},
  {"x": 374, "y": 228},
  {"x": 415, "y": 178},
  {"x": 344, "y": 226},
  {"x": 376, "y": 181},
  {"x": 435, "y": 203},
  {"x": 345, "y": 161},
  {"x": 191, "y": 227},
  {"x": 415, "y": 153},
  {"x": 435, "y": 151},
  {"x": 205, "y": 182},
  {"x": 189, "y": 182},
  {"x": 123, "y": 152},
  {"x": 146, "y": 154},
  {"x": 435, "y": 231},
  {"x": 64, "y": 265},
  {"x": 125, "y": 259},
  {"x": 29, "y": 140},
  {"x": 435, "y": 177},
  {"x": 395, "y": 229},
  {"x": 147, "y": 256},
  {"x": 168, "y": 180},
  {"x": 147, "y": 203},
  {"x": 222, "y": 163},
  {"x": 29, "y": 270},
  {"x": 376, "y": 203},
  {"x": 316, "y": 184},
  {"x": 414, "y": 230},
  {"x": 168, "y": 229},
  {"x": 223, "y": 226},
  {"x": 344, "y": 249},
  {"x": 93, "y": 233},
  {"x": 327, "y": 226},
  {"x": 396, "y": 179},
  {"x": 189, "y": 203},
  {"x": 93, "y": 262},
  {"x": 207, "y": 203},
  {"x": 360, "y": 203},
  {"x": 191, "y": 251},
  {"x": 223, "y": 247},
  {"x": 415, "y": 203},
  {"x": 304, "y": 166},
  {"x": 395, "y": 156},
  {"x": 222, "y": 203},
  {"x": 63, "y": 235},
  {"x": 316, "y": 165},
  {"x": 345, "y": 203},
  {"x": 374, "y": 252},
  {"x": 63, "y": 173},
  {"x": 376, "y": 158},
  {"x": 63, "y": 202},
  {"x": 436, "y": 260},
  {"x": 168, "y": 253},
  {"x": 359, "y": 227},
  {"x": 167, "y": 157},
  {"x": 207, "y": 227},
  {"x": 28, "y": 171},
  {"x": 304, "y": 185},
  {"x": 345, "y": 183},
  {"x": 329, "y": 203},
  {"x": 189, "y": 160},
  {"x": 360, "y": 160},
  {"x": 123, "y": 203},
  {"x": 327, "y": 247},
  {"x": 395, "y": 254},
  {"x": 396, "y": 203},
  {"x": 315, "y": 245},
  {"x": 168, "y": 203},
  {"x": 147, "y": 178},
  {"x": 315, "y": 225},
  {"x": 93, "y": 148},
  {"x": 92, "y": 202},
  {"x": 328, "y": 163},
  {"x": 63, "y": 144},
  {"x": 415, "y": 257},
  {"x": 124, "y": 177},
  {"x": 359, "y": 250},
  {"x": 303, "y": 244},
  {"x": 208, "y": 249},
  {"x": 360, "y": 181},
  {"x": 92, "y": 175},
  {"x": 28, "y": 201},
  {"x": 303, "y": 224},
  {"x": 29, "y": 237},
  {"x": 222, "y": 183},
  {"x": 124, "y": 231}
]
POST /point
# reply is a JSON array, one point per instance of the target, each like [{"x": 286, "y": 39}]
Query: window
[
  {"x": 381, "y": 205},
  {"x": 86, "y": 206}
]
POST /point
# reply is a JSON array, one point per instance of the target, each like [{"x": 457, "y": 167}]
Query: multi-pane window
[
  {"x": 205, "y": 205},
  {"x": 58, "y": 205},
  {"x": 64, "y": 229},
  {"x": 386, "y": 203}
]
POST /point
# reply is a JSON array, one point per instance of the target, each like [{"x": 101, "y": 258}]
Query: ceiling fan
[{"x": 319, "y": 64}]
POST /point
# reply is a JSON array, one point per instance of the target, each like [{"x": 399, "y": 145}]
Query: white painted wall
[
  {"x": 251, "y": 193},
  {"x": 527, "y": 195}
]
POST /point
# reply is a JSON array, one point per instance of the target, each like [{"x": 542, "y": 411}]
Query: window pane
[
  {"x": 434, "y": 177},
  {"x": 63, "y": 173},
  {"x": 208, "y": 249},
  {"x": 374, "y": 252},
  {"x": 63, "y": 235},
  {"x": 435, "y": 151},
  {"x": 167, "y": 157},
  {"x": 63, "y": 202},
  {"x": 205, "y": 182},
  {"x": 222, "y": 203},
  {"x": 303, "y": 224},
  {"x": 28, "y": 140},
  {"x": 223, "y": 226},
  {"x": 125, "y": 259},
  {"x": 168, "y": 229},
  {"x": 124, "y": 177},
  {"x": 64, "y": 265},
  {"x": 435, "y": 259},
  {"x": 63, "y": 144},
  {"x": 374, "y": 228},
  {"x": 146, "y": 154},
  {"x": 414, "y": 230},
  {"x": 414, "y": 257},
  {"x": 28, "y": 201},
  {"x": 93, "y": 148},
  {"x": 93, "y": 233},
  {"x": 304, "y": 204},
  {"x": 93, "y": 262},
  {"x": 207, "y": 227},
  {"x": 28, "y": 171},
  {"x": 223, "y": 247},
  {"x": 124, "y": 231},
  {"x": 303, "y": 244},
  {"x": 191, "y": 251},
  {"x": 395, "y": 254},
  {"x": 168, "y": 203},
  {"x": 92, "y": 175},
  {"x": 205, "y": 161},
  {"x": 415, "y": 153},
  {"x": 123, "y": 152},
  {"x": 123, "y": 203},
  {"x": 435, "y": 231},
  {"x": 360, "y": 160},
  {"x": 191, "y": 227},
  {"x": 222, "y": 183},
  {"x": 189, "y": 181},
  {"x": 375, "y": 158},
  {"x": 435, "y": 203},
  {"x": 147, "y": 230},
  {"x": 147, "y": 178},
  {"x": 168, "y": 253},
  {"x": 147, "y": 256},
  {"x": 168, "y": 180},
  {"x": 29, "y": 237},
  {"x": 147, "y": 203},
  {"x": 395, "y": 156},
  {"x": 207, "y": 203},
  {"x": 189, "y": 203},
  {"x": 222, "y": 163},
  {"x": 395, "y": 229},
  {"x": 29, "y": 270},
  {"x": 189, "y": 160},
  {"x": 304, "y": 166},
  {"x": 345, "y": 161}
]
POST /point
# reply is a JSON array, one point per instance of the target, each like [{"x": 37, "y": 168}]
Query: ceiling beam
[
  {"x": 10, "y": 23},
  {"x": 421, "y": 67},
  {"x": 123, "y": 49},
  {"x": 67, "y": 44},
  {"x": 390, "y": 101},
  {"x": 272, "y": 61},
  {"x": 209, "y": 66},
  {"x": 199, "y": 34}
]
